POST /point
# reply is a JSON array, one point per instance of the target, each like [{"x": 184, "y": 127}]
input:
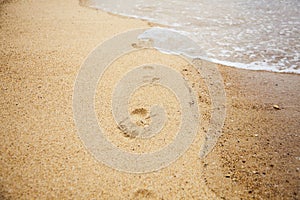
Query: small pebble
[{"x": 276, "y": 107}]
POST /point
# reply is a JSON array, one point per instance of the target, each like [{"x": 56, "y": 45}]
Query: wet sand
[{"x": 44, "y": 43}]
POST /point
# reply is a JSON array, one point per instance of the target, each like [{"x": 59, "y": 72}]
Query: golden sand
[{"x": 44, "y": 43}]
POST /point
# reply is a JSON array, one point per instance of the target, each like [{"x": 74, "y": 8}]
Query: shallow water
[{"x": 251, "y": 34}]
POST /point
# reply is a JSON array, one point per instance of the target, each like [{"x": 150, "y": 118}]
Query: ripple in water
[{"x": 251, "y": 34}]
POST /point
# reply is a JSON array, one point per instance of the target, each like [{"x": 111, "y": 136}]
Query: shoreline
[
  {"x": 149, "y": 23},
  {"x": 256, "y": 66},
  {"x": 43, "y": 44}
]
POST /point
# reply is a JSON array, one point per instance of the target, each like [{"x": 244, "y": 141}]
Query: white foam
[
  {"x": 248, "y": 34},
  {"x": 172, "y": 42}
]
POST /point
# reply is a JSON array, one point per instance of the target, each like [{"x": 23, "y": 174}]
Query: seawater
[{"x": 250, "y": 34}]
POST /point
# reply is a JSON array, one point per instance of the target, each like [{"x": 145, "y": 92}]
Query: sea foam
[{"x": 249, "y": 34}]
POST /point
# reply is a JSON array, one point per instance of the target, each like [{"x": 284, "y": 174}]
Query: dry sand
[{"x": 43, "y": 44}]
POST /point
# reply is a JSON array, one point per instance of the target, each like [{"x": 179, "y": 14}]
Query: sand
[{"x": 44, "y": 43}]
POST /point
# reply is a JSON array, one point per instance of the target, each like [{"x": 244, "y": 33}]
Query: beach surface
[{"x": 42, "y": 47}]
